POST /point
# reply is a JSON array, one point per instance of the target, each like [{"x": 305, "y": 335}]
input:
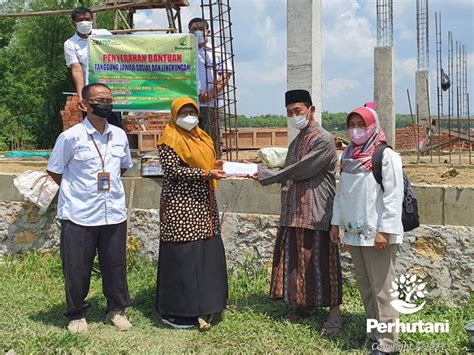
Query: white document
[{"x": 239, "y": 169}]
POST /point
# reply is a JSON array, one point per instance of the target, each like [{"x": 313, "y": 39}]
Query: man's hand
[
  {"x": 254, "y": 176},
  {"x": 56, "y": 177},
  {"x": 78, "y": 78},
  {"x": 217, "y": 174},
  {"x": 382, "y": 241},
  {"x": 334, "y": 234},
  {"x": 204, "y": 97}
]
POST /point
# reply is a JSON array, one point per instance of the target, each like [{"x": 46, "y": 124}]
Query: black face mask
[{"x": 101, "y": 110}]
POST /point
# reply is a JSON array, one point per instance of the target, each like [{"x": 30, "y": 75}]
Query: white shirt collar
[{"x": 90, "y": 129}]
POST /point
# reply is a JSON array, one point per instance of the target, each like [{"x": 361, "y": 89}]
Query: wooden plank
[{"x": 142, "y": 5}]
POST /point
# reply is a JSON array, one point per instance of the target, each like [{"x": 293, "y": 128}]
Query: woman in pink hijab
[{"x": 370, "y": 218}]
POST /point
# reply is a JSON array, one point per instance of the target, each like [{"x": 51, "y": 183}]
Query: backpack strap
[{"x": 377, "y": 163}]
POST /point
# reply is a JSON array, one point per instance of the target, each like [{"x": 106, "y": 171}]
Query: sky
[{"x": 349, "y": 36}]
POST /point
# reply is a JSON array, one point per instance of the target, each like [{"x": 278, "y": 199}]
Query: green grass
[{"x": 32, "y": 302}]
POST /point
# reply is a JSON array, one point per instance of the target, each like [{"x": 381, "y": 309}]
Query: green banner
[{"x": 145, "y": 72}]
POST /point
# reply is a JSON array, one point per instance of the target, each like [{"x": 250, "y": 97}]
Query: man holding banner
[
  {"x": 214, "y": 72},
  {"x": 76, "y": 53},
  {"x": 75, "y": 48}
]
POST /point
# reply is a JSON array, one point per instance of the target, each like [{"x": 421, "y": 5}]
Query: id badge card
[{"x": 103, "y": 181}]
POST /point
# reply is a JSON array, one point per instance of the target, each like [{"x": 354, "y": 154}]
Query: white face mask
[
  {"x": 84, "y": 27},
  {"x": 299, "y": 122},
  {"x": 200, "y": 36},
  {"x": 188, "y": 122}
]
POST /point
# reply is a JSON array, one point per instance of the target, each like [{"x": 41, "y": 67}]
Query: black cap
[{"x": 294, "y": 96}]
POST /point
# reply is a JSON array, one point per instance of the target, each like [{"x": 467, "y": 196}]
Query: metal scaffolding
[
  {"x": 439, "y": 71},
  {"x": 453, "y": 130},
  {"x": 222, "y": 117},
  {"x": 384, "y": 23},
  {"x": 422, "y": 35},
  {"x": 464, "y": 82},
  {"x": 451, "y": 87}
]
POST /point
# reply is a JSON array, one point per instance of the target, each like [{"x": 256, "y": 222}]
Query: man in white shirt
[
  {"x": 76, "y": 53},
  {"x": 75, "y": 48},
  {"x": 87, "y": 162},
  {"x": 210, "y": 87}
]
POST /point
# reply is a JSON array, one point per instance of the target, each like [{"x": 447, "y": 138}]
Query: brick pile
[
  {"x": 405, "y": 138},
  {"x": 71, "y": 114},
  {"x": 147, "y": 121}
]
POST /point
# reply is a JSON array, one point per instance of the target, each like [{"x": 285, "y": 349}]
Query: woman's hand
[
  {"x": 217, "y": 174},
  {"x": 334, "y": 234},
  {"x": 219, "y": 165},
  {"x": 382, "y": 241}
]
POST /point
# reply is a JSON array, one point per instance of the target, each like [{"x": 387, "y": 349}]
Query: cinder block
[
  {"x": 430, "y": 204},
  {"x": 459, "y": 206}
]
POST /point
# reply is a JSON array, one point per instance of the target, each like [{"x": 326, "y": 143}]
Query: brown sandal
[
  {"x": 333, "y": 325},
  {"x": 300, "y": 313}
]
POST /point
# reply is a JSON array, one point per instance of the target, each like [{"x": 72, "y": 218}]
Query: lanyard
[{"x": 102, "y": 158}]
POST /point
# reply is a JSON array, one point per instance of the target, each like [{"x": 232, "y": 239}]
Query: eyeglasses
[
  {"x": 100, "y": 101},
  {"x": 185, "y": 113}
]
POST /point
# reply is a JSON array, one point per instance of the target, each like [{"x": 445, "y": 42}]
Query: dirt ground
[{"x": 426, "y": 172}]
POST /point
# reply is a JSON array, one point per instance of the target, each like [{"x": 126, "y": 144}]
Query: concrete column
[
  {"x": 384, "y": 90},
  {"x": 422, "y": 96},
  {"x": 304, "y": 42}
]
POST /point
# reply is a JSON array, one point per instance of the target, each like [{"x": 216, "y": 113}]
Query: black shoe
[{"x": 176, "y": 322}]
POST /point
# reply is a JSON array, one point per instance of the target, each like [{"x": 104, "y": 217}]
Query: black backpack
[{"x": 410, "y": 218}]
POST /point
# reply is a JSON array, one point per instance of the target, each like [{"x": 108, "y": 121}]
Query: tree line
[
  {"x": 33, "y": 73},
  {"x": 332, "y": 122}
]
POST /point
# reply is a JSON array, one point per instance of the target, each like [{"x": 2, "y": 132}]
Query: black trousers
[{"x": 78, "y": 248}]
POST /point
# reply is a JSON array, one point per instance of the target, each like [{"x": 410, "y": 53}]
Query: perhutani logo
[
  {"x": 408, "y": 292},
  {"x": 184, "y": 44}
]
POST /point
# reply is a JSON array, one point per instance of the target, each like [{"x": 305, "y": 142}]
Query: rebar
[
  {"x": 384, "y": 23},
  {"x": 451, "y": 88},
  {"x": 469, "y": 129},
  {"x": 422, "y": 34},
  {"x": 458, "y": 95},
  {"x": 464, "y": 81},
  {"x": 438, "y": 78},
  {"x": 223, "y": 118},
  {"x": 430, "y": 132}
]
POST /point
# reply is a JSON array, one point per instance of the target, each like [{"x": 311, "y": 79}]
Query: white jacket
[{"x": 361, "y": 208}]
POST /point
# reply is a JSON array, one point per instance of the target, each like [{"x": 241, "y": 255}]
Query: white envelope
[{"x": 239, "y": 169}]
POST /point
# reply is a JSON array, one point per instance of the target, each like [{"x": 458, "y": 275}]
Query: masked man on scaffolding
[{"x": 214, "y": 72}]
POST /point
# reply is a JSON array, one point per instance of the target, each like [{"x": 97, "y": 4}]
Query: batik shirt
[
  {"x": 188, "y": 207},
  {"x": 308, "y": 180}
]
